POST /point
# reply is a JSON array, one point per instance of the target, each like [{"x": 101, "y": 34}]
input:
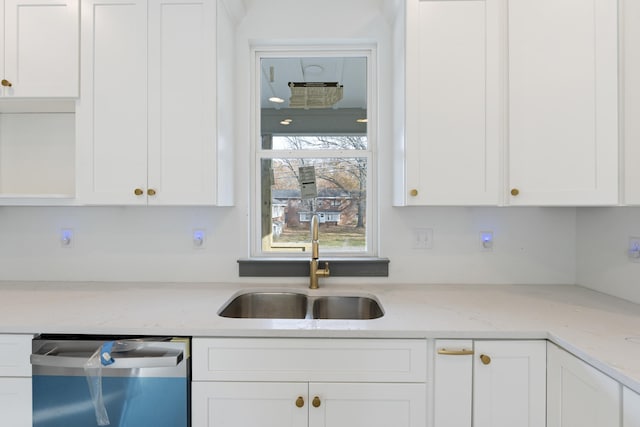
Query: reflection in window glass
[{"x": 340, "y": 204}]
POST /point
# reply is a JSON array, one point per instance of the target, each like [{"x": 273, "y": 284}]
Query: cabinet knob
[
  {"x": 515, "y": 191},
  {"x": 413, "y": 192},
  {"x": 300, "y": 402},
  {"x": 6, "y": 83},
  {"x": 151, "y": 192},
  {"x": 316, "y": 402},
  {"x": 138, "y": 192},
  {"x": 485, "y": 359}
]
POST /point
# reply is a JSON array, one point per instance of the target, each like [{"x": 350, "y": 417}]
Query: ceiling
[{"x": 350, "y": 72}]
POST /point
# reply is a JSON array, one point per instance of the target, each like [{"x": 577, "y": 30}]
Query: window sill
[{"x": 298, "y": 267}]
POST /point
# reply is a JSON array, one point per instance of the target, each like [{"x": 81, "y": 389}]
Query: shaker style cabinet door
[
  {"x": 41, "y": 48},
  {"x": 579, "y": 395},
  {"x": 367, "y": 405},
  {"x": 242, "y": 404},
  {"x": 562, "y": 102},
  {"x": 451, "y": 102},
  {"x": 509, "y": 383},
  {"x": 112, "y": 113},
  {"x": 453, "y": 383},
  {"x": 182, "y": 102}
]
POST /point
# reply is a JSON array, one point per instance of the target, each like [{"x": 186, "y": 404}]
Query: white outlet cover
[
  {"x": 633, "y": 250},
  {"x": 422, "y": 238}
]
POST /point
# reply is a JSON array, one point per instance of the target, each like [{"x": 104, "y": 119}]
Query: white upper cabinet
[
  {"x": 506, "y": 102},
  {"x": 148, "y": 117},
  {"x": 449, "y": 91},
  {"x": 630, "y": 47},
  {"x": 39, "y": 54},
  {"x": 562, "y": 102}
]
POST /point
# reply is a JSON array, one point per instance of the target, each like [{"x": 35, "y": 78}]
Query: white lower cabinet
[
  {"x": 241, "y": 404},
  {"x": 15, "y": 380},
  {"x": 578, "y": 394},
  {"x": 631, "y": 408},
  {"x": 493, "y": 383},
  {"x": 309, "y": 382}
]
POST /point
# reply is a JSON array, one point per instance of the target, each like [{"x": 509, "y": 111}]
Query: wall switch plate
[
  {"x": 633, "y": 251},
  {"x": 198, "y": 237},
  {"x": 486, "y": 241},
  {"x": 422, "y": 238},
  {"x": 66, "y": 237}
]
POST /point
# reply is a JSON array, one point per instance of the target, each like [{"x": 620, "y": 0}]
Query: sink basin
[
  {"x": 346, "y": 307},
  {"x": 267, "y": 305},
  {"x": 295, "y": 305}
]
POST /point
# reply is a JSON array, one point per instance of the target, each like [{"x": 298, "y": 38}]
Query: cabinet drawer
[
  {"x": 298, "y": 359},
  {"x": 15, "y": 351}
]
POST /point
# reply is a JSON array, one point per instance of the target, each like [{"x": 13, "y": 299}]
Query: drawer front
[
  {"x": 15, "y": 351},
  {"x": 300, "y": 359}
]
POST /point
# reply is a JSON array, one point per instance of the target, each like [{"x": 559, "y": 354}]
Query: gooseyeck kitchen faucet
[{"x": 314, "y": 271}]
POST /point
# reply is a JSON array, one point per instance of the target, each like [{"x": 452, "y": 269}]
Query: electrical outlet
[
  {"x": 66, "y": 237},
  {"x": 422, "y": 238},
  {"x": 633, "y": 251},
  {"x": 199, "y": 238},
  {"x": 486, "y": 241}
]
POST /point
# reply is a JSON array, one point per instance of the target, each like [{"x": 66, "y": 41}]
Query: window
[{"x": 313, "y": 114}]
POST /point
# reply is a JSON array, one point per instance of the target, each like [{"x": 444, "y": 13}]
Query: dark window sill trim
[{"x": 298, "y": 267}]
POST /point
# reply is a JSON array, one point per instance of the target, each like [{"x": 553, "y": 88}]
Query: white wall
[
  {"x": 602, "y": 243},
  {"x": 532, "y": 245}
]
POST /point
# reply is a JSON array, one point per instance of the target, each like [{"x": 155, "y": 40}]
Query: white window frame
[{"x": 257, "y": 153}]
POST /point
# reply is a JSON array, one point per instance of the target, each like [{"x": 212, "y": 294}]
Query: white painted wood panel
[
  {"x": 563, "y": 104},
  {"x": 15, "y": 402},
  {"x": 182, "y": 101},
  {"x": 452, "y": 111},
  {"x": 630, "y": 48},
  {"x": 630, "y": 408},
  {"x": 511, "y": 389},
  {"x": 112, "y": 114},
  {"x": 309, "y": 360},
  {"x": 579, "y": 395},
  {"x": 229, "y": 404},
  {"x": 367, "y": 405},
  {"x": 41, "y": 48},
  {"x": 14, "y": 355},
  {"x": 453, "y": 384}
]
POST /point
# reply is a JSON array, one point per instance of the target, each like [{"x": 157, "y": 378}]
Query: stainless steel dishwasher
[{"x": 86, "y": 381}]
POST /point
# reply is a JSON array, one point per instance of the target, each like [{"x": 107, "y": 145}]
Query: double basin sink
[{"x": 297, "y": 305}]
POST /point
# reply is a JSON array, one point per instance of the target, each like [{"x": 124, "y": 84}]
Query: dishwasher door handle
[{"x": 168, "y": 358}]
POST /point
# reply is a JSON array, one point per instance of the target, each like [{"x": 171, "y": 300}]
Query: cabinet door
[
  {"x": 631, "y": 408},
  {"x": 41, "y": 48},
  {"x": 452, "y": 111},
  {"x": 509, "y": 383},
  {"x": 182, "y": 101},
  {"x": 453, "y": 379},
  {"x": 563, "y": 105},
  {"x": 367, "y": 405},
  {"x": 15, "y": 402},
  {"x": 112, "y": 113},
  {"x": 578, "y": 395},
  {"x": 245, "y": 404},
  {"x": 630, "y": 45}
]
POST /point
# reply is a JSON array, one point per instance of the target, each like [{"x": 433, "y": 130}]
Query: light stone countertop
[{"x": 600, "y": 329}]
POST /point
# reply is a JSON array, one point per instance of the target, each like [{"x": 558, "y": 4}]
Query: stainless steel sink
[
  {"x": 295, "y": 305},
  {"x": 267, "y": 305},
  {"x": 346, "y": 307}
]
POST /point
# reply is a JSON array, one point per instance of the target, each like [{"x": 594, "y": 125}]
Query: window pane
[
  {"x": 348, "y": 142},
  {"x": 340, "y": 205}
]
